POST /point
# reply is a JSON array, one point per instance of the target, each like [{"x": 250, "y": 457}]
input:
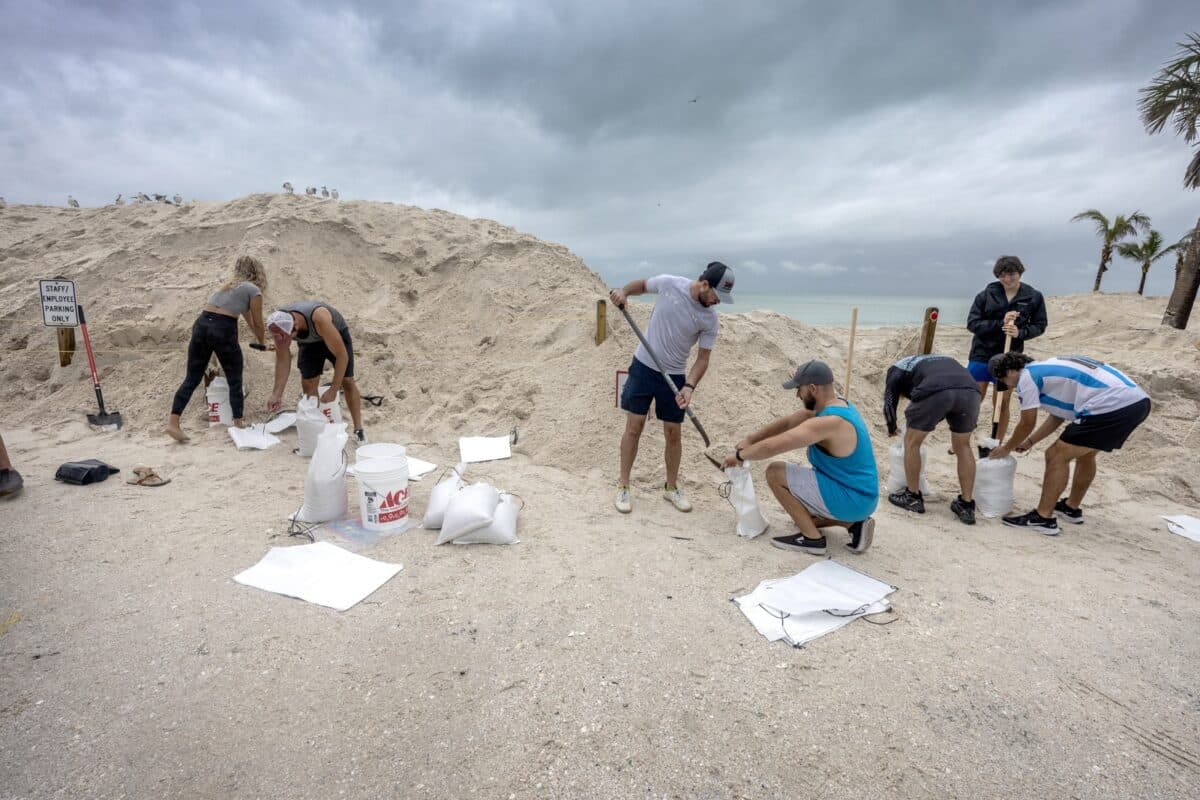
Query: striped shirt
[{"x": 1074, "y": 387}]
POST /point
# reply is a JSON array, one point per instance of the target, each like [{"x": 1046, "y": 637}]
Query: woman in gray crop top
[{"x": 216, "y": 331}]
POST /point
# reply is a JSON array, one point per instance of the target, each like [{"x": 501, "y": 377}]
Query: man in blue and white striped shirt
[{"x": 1103, "y": 405}]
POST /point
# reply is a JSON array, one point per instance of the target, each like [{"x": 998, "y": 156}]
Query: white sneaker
[
  {"x": 676, "y": 498},
  {"x": 624, "y": 501}
]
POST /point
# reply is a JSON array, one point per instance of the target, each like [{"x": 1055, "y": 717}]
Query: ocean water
[{"x": 874, "y": 311}]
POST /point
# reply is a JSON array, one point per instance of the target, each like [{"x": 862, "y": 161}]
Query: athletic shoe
[
  {"x": 963, "y": 510},
  {"x": 674, "y": 495},
  {"x": 624, "y": 501},
  {"x": 909, "y": 501},
  {"x": 360, "y": 437},
  {"x": 797, "y": 542},
  {"x": 1068, "y": 514},
  {"x": 861, "y": 535},
  {"x": 1034, "y": 520},
  {"x": 10, "y": 482}
]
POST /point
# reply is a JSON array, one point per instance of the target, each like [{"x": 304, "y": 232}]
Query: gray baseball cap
[{"x": 815, "y": 372}]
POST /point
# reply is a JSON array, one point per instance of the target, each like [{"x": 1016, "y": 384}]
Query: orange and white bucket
[{"x": 383, "y": 492}]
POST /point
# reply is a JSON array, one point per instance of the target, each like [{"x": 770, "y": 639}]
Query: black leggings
[{"x": 212, "y": 333}]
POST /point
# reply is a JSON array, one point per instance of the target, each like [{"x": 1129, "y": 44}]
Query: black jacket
[
  {"x": 987, "y": 318},
  {"x": 918, "y": 377}
]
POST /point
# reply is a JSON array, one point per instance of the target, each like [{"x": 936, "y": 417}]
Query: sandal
[{"x": 146, "y": 476}]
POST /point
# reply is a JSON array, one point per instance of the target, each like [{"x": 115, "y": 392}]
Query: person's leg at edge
[
  {"x": 1058, "y": 468},
  {"x": 198, "y": 353},
  {"x": 913, "y": 439},
  {"x": 353, "y": 401},
  {"x": 960, "y": 443},
  {"x": 229, "y": 356},
  {"x": 1004, "y": 404},
  {"x": 1081, "y": 481},
  {"x": 629, "y": 443},
  {"x": 673, "y": 451},
  {"x": 808, "y": 525}
]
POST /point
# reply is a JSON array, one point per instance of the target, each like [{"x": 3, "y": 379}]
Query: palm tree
[
  {"x": 1184, "y": 279},
  {"x": 1111, "y": 233},
  {"x": 1174, "y": 94},
  {"x": 1146, "y": 252}
]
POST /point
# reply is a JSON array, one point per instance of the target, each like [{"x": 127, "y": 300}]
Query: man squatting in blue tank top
[{"x": 841, "y": 488}]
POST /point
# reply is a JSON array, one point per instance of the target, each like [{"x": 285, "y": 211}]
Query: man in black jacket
[{"x": 1005, "y": 308}]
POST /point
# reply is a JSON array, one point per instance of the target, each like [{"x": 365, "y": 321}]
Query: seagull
[
  {"x": 287, "y": 187},
  {"x": 160, "y": 198},
  {"x": 334, "y": 194},
  {"x": 118, "y": 201},
  {"x": 178, "y": 200},
  {"x": 72, "y": 202},
  {"x": 142, "y": 198},
  {"x": 311, "y": 191},
  {"x": 324, "y": 192}
]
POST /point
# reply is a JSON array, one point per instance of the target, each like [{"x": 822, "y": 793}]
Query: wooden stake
[
  {"x": 850, "y": 351},
  {"x": 601, "y": 321},
  {"x": 928, "y": 328}
]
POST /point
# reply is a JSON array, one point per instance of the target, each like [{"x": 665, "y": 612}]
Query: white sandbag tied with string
[
  {"x": 503, "y": 529},
  {"x": 469, "y": 509},
  {"x": 994, "y": 483},
  {"x": 896, "y": 480},
  {"x": 325, "y": 484},
  {"x": 439, "y": 498},
  {"x": 739, "y": 491},
  {"x": 310, "y": 422}
]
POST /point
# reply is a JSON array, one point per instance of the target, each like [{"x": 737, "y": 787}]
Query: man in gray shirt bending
[
  {"x": 321, "y": 335},
  {"x": 684, "y": 315}
]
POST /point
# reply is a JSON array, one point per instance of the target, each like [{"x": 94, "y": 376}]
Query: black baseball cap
[
  {"x": 814, "y": 372},
  {"x": 720, "y": 278}
]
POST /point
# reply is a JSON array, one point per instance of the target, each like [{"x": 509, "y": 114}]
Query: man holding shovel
[
  {"x": 841, "y": 487},
  {"x": 684, "y": 315},
  {"x": 1005, "y": 315}
]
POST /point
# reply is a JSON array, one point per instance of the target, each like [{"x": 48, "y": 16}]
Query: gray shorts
[
  {"x": 802, "y": 483},
  {"x": 959, "y": 407}
]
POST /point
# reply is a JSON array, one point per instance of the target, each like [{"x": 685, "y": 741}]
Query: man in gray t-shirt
[{"x": 684, "y": 315}]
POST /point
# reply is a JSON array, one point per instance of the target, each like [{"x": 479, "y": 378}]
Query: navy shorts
[
  {"x": 312, "y": 357},
  {"x": 979, "y": 371},
  {"x": 1107, "y": 431},
  {"x": 645, "y": 384}
]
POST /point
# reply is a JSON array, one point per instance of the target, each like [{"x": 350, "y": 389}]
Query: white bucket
[
  {"x": 368, "y": 452},
  {"x": 217, "y": 395},
  {"x": 383, "y": 493},
  {"x": 332, "y": 411}
]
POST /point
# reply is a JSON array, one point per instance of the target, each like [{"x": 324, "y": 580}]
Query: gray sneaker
[{"x": 624, "y": 501}]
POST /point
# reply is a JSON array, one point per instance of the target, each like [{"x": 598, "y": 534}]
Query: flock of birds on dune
[{"x": 141, "y": 198}]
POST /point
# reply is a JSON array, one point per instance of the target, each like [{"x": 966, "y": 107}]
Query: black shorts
[
  {"x": 959, "y": 407},
  {"x": 645, "y": 384},
  {"x": 312, "y": 358},
  {"x": 1107, "y": 431}
]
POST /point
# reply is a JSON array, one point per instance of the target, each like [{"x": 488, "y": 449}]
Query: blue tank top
[{"x": 850, "y": 485}]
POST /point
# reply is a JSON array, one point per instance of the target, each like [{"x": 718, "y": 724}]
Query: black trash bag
[{"x": 81, "y": 473}]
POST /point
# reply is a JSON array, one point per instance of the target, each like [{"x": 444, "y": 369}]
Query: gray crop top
[{"x": 235, "y": 300}]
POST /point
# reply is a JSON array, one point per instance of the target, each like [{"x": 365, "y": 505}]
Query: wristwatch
[
  {"x": 737, "y": 453},
  {"x": 691, "y": 386}
]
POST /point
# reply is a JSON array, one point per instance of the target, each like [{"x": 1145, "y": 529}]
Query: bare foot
[
  {"x": 176, "y": 433},
  {"x": 240, "y": 423}
]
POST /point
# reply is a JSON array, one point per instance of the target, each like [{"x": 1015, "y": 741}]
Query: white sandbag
[
  {"x": 896, "y": 480},
  {"x": 309, "y": 424},
  {"x": 469, "y": 509},
  {"x": 325, "y": 484},
  {"x": 503, "y": 529},
  {"x": 435, "y": 512},
  {"x": 332, "y": 411},
  {"x": 750, "y": 521},
  {"x": 994, "y": 483}
]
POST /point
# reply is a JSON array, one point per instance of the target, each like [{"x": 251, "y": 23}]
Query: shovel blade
[
  {"x": 110, "y": 422},
  {"x": 984, "y": 452}
]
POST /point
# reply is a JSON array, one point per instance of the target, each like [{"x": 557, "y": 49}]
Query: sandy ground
[{"x": 600, "y": 657}]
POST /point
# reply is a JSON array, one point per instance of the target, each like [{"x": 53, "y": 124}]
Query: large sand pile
[{"x": 600, "y": 657}]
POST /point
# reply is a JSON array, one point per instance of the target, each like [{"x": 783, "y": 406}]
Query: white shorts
[{"x": 802, "y": 483}]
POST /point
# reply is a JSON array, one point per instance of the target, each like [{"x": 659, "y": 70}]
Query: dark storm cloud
[{"x": 827, "y": 144}]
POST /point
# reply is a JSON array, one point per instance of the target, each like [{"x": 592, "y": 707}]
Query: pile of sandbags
[{"x": 471, "y": 514}]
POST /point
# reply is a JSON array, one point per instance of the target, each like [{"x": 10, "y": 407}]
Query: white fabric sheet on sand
[
  {"x": 817, "y": 601},
  {"x": 418, "y": 469},
  {"x": 253, "y": 438},
  {"x": 473, "y": 449},
  {"x": 281, "y": 422},
  {"x": 1185, "y": 526},
  {"x": 320, "y": 573}
]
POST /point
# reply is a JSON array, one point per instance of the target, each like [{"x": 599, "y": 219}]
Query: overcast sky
[{"x": 852, "y": 146}]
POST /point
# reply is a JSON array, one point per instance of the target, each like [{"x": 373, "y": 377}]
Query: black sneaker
[
  {"x": 10, "y": 482},
  {"x": 1034, "y": 520},
  {"x": 861, "y": 535},
  {"x": 1068, "y": 514},
  {"x": 815, "y": 547},
  {"x": 963, "y": 510},
  {"x": 908, "y": 500}
]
